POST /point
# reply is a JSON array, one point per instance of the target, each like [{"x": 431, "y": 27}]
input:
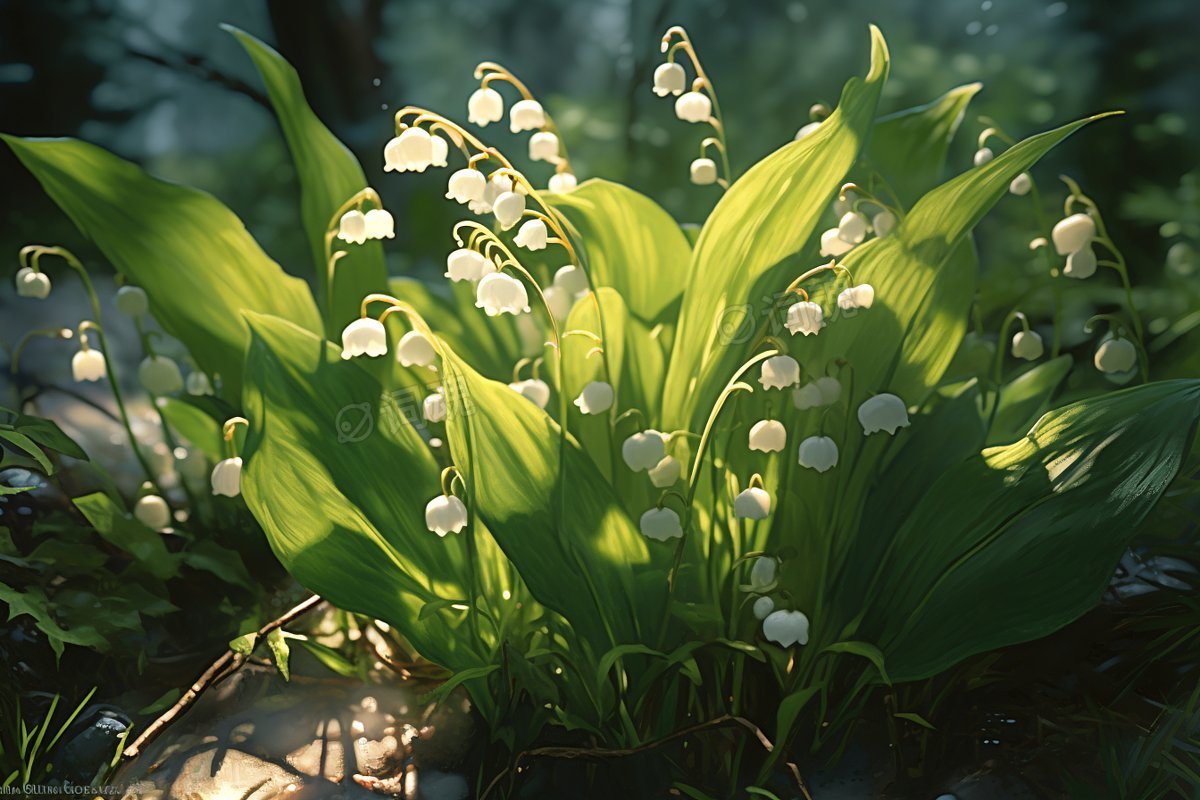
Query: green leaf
[
  {"x": 7, "y": 490},
  {"x": 769, "y": 213},
  {"x": 333, "y": 660},
  {"x": 630, "y": 244},
  {"x": 280, "y": 652},
  {"x": 30, "y": 448},
  {"x": 1025, "y": 397},
  {"x": 189, "y": 252},
  {"x": 47, "y": 433},
  {"x": 460, "y": 677},
  {"x": 916, "y": 719},
  {"x": 192, "y": 423},
  {"x": 788, "y": 712},
  {"x": 864, "y": 650},
  {"x": 164, "y": 701},
  {"x": 329, "y": 176},
  {"x": 244, "y": 645},
  {"x": 146, "y": 547},
  {"x": 226, "y": 563},
  {"x": 34, "y": 603},
  {"x": 1023, "y": 539}
]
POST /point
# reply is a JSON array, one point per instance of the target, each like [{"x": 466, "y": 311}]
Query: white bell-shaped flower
[
  {"x": 465, "y": 264},
  {"x": 763, "y": 606},
  {"x": 559, "y": 301},
  {"x": 466, "y": 185},
  {"x": 666, "y": 472},
  {"x": 88, "y": 365},
  {"x": 693, "y": 107},
  {"x": 883, "y": 412},
  {"x": 805, "y": 317},
  {"x": 485, "y": 106},
  {"x": 562, "y": 182},
  {"x": 532, "y": 235},
  {"x": 642, "y": 451},
  {"x": 884, "y": 223},
  {"x": 152, "y": 511},
  {"x": 596, "y": 398},
  {"x": 1116, "y": 355},
  {"x": 543, "y": 146},
  {"x": 806, "y": 130},
  {"x": 535, "y": 390},
  {"x": 32, "y": 284},
  {"x": 819, "y": 453},
  {"x": 1081, "y": 264},
  {"x": 824, "y": 391},
  {"x": 415, "y": 348},
  {"x": 433, "y": 408},
  {"x": 861, "y": 296},
  {"x": 499, "y": 293},
  {"x": 983, "y": 155},
  {"x": 198, "y": 384},
  {"x": 364, "y": 337},
  {"x": 411, "y": 151},
  {"x": 703, "y": 171},
  {"x": 571, "y": 279},
  {"x": 1027, "y": 345},
  {"x": 844, "y": 203},
  {"x": 441, "y": 152},
  {"x": 508, "y": 209},
  {"x": 852, "y": 227},
  {"x": 160, "y": 375},
  {"x": 526, "y": 115},
  {"x": 445, "y": 514},
  {"x": 1021, "y": 184},
  {"x": 380, "y": 224},
  {"x": 660, "y": 524},
  {"x": 779, "y": 372},
  {"x": 352, "y": 227},
  {"x": 132, "y": 301},
  {"x": 762, "y": 574},
  {"x": 669, "y": 78},
  {"x": 753, "y": 503},
  {"x": 832, "y": 245},
  {"x": 768, "y": 436},
  {"x": 831, "y": 389},
  {"x": 786, "y": 628},
  {"x": 1073, "y": 233},
  {"x": 226, "y": 477}
]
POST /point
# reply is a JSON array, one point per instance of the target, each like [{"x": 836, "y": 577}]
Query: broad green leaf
[
  {"x": 916, "y": 719},
  {"x": 208, "y": 556},
  {"x": 244, "y": 644},
  {"x": 863, "y": 650},
  {"x": 329, "y": 176},
  {"x": 908, "y": 148},
  {"x": 769, "y": 213},
  {"x": 47, "y": 433},
  {"x": 189, "y": 252},
  {"x": 1025, "y": 397},
  {"x": 280, "y": 652},
  {"x": 1023, "y": 539},
  {"x": 630, "y": 243},
  {"x": 25, "y": 445},
  {"x": 33, "y": 602},
  {"x": 117, "y": 527},
  {"x": 193, "y": 424}
]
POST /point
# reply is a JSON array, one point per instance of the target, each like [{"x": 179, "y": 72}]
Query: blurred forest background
[{"x": 158, "y": 81}]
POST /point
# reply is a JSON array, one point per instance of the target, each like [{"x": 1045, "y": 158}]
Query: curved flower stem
[
  {"x": 52, "y": 333},
  {"x": 331, "y": 232},
  {"x": 227, "y": 433},
  {"x": 702, "y": 82},
  {"x": 35, "y": 252},
  {"x": 998, "y": 362},
  {"x": 488, "y": 71}
]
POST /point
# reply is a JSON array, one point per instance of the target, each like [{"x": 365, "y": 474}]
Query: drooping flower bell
[
  {"x": 1115, "y": 355},
  {"x": 499, "y": 293},
  {"x": 883, "y": 412},
  {"x": 466, "y": 185},
  {"x": 703, "y": 171},
  {"x": 411, "y": 151},
  {"x": 1081, "y": 264},
  {"x": 768, "y": 436},
  {"x": 445, "y": 514},
  {"x": 643, "y": 450},
  {"x": 226, "y": 477},
  {"x": 819, "y": 453},
  {"x": 32, "y": 284},
  {"x": 484, "y": 106},
  {"x": 543, "y": 146},
  {"x": 1027, "y": 345},
  {"x": 152, "y": 511},
  {"x": 364, "y": 337},
  {"x": 693, "y": 107},
  {"x": 380, "y": 224},
  {"x": 832, "y": 244},
  {"x": 562, "y": 182},
  {"x": 1073, "y": 233},
  {"x": 415, "y": 348},
  {"x": 160, "y": 375},
  {"x": 532, "y": 235},
  {"x": 571, "y": 279},
  {"x": 861, "y": 296},
  {"x": 666, "y": 472},
  {"x": 1021, "y": 184},
  {"x": 762, "y": 574},
  {"x": 884, "y": 223},
  {"x": 465, "y": 264},
  {"x": 805, "y": 317},
  {"x": 596, "y": 398},
  {"x": 660, "y": 524},
  {"x": 87, "y": 364},
  {"x": 983, "y": 155},
  {"x": 132, "y": 301},
  {"x": 779, "y": 372},
  {"x": 535, "y": 390},
  {"x": 763, "y": 606},
  {"x": 352, "y": 227},
  {"x": 824, "y": 391},
  {"x": 669, "y": 78},
  {"x": 852, "y": 227},
  {"x": 786, "y": 628},
  {"x": 198, "y": 384},
  {"x": 752, "y": 503},
  {"x": 434, "y": 407},
  {"x": 508, "y": 209},
  {"x": 526, "y": 115}
]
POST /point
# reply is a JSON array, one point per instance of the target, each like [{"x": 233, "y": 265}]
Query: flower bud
[
  {"x": 160, "y": 375},
  {"x": 704, "y": 171},
  {"x": 466, "y": 185},
  {"x": 1027, "y": 345},
  {"x": 819, "y": 453},
  {"x": 465, "y": 264},
  {"x": 352, "y": 227},
  {"x": 132, "y": 301},
  {"x": 883, "y": 223},
  {"x": 445, "y": 514},
  {"x": 832, "y": 245},
  {"x": 596, "y": 398},
  {"x": 643, "y": 451},
  {"x": 669, "y": 78},
  {"x": 88, "y": 365},
  {"x": 380, "y": 224},
  {"x": 532, "y": 235},
  {"x": 571, "y": 279},
  {"x": 415, "y": 348},
  {"x": 485, "y": 106},
  {"x": 753, "y": 503},
  {"x": 660, "y": 524},
  {"x": 861, "y": 296},
  {"x": 693, "y": 107},
  {"x": 768, "y": 436},
  {"x": 508, "y": 209},
  {"x": 983, "y": 155},
  {"x": 806, "y": 130},
  {"x": 32, "y": 284},
  {"x": 198, "y": 384},
  {"x": 1081, "y": 264},
  {"x": 666, "y": 472},
  {"x": 763, "y": 606},
  {"x": 883, "y": 412},
  {"x": 535, "y": 390},
  {"x": 805, "y": 317},
  {"x": 364, "y": 336},
  {"x": 786, "y": 628},
  {"x": 779, "y": 372},
  {"x": 152, "y": 511},
  {"x": 227, "y": 477},
  {"x": 499, "y": 293},
  {"x": 852, "y": 227},
  {"x": 1073, "y": 233},
  {"x": 562, "y": 182},
  {"x": 433, "y": 408},
  {"x": 1116, "y": 355},
  {"x": 1021, "y": 184},
  {"x": 543, "y": 146},
  {"x": 762, "y": 574},
  {"x": 526, "y": 115}
]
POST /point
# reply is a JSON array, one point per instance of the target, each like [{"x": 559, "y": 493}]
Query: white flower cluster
[{"x": 853, "y": 226}]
